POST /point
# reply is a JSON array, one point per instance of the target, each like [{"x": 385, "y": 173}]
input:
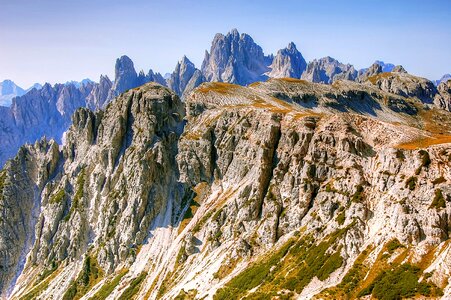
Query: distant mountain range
[
  {"x": 233, "y": 58},
  {"x": 9, "y": 90}
]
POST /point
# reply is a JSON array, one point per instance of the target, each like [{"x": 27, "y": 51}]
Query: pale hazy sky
[{"x": 57, "y": 41}]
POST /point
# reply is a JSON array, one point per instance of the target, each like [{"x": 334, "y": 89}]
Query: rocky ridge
[
  {"x": 47, "y": 111},
  {"x": 347, "y": 180},
  {"x": 233, "y": 58}
]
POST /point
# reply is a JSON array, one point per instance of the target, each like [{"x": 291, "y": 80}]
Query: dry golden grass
[
  {"x": 293, "y": 80},
  {"x": 218, "y": 87},
  {"x": 424, "y": 142},
  {"x": 435, "y": 122},
  {"x": 375, "y": 78}
]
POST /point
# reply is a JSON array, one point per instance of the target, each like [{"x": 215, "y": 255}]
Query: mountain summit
[
  {"x": 288, "y": 62},
  {"x": 235, "y": 58}
]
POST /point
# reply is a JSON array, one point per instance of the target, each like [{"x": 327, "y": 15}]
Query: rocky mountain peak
[
  {"x": 327, "y": 70},
  {"x": 9, "y": 90},
  {"x": 374, "y": 69},
  {"x": 185, "y": 77},
  {"x": 234, "y": 58},
  {"x": 399, "y": 69},
  {"x": 125, "y": 75},
  {"x": 288, "y": 62}
]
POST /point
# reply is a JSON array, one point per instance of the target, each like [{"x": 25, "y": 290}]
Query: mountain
[
  {"x": 235, "y": 58},
  {"x": 288, "y": 62},
  {"x": 77, "y": 84},
  {"x": 9, "y": 90},
  {"x": 185, "y": 77},
  {"x": 327, "y": 70},
  {"x": 47, "y": 111},
  {"x": 386, "y": 67},
  {"x": 37, "y": 86},
  {"x": 444, "y": 78},
  {"x": 443, "y": 98},
  {"x": 284, "y": 188}
]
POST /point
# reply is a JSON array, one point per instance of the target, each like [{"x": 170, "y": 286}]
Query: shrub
[
  {"x": 411, "y": 183},
  {"x": 357, "y": 196},
  {"x": 133, "y": 288},
  {"x": 393, "y": 245},
  {"x": 108, "y": 287},
  {"x": 439, "y": 180},
  {"x": 341, "y": 218},
  {"x": 438, "y": 201},
  {"x": 58, "y": 197},
  {"x": 425, "y": 161},
  {"x": 401, "y": 282}
]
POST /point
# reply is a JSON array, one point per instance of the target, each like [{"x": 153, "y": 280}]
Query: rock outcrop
[
  {"x": 443, "y": 98},
  {"x": 288, "y": 62},
  {"x": 401, "y": 83},
  {"x": 235, "y": 58},
  {"x": 47, "y": 111},
  {"x": 327, "y": 70},
  {"x": 444, "y": 78},
  {"x": 284, "y": 187},
  {"x": 185, "y": 77}
]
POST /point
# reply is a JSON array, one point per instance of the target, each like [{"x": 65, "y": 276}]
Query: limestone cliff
[{"x": 285, "y": 188}]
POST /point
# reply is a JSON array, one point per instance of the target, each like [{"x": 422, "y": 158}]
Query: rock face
[
  {"x": 9, "y": 90},
  {"x": 235, "y": 58},
  {"x": 185, "y": 77},
  {"x": 443, "y": 98},
  {"x": 336, "y": 183},
  {"x": 47, "y": 111},
  {"x": 288, "y": 62},
  {"x": 444, "y": 78},
  {"x": 401, "y": 83},
  {"x": 327, "y": 70},
  {"x": 386, "y": 67},
  {"x": 126, "y": 77}
]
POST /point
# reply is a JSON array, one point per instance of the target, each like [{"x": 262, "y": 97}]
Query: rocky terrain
[
  {"x": 47, "y": 111},
  {"x": 284, "y": 188},
  {"x": 233, "y": 58}
]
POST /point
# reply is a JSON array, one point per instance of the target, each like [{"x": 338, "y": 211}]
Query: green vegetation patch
[
  {"x": 133, "y": 288},
  {"x": 2, "y": 183},
  {"x": 439, "y": 180},
  {"x": 400, "y": 282},
  {"x": 358, "y": 195},
  {"x": 78, "y": 194},
  {"x": 350, "y": 283},
  {"x": 289, "y": 269},
  {"x": 411, "y": 183},
  {"x": 109, "y": 287},
  {"x": 58, "y": 197},
  {"x": 191, "y": 294},
  {"x": 89, "y": 275},
  {"x": 438, "y": 201},
  {"x": 392, "y": 245},
  {"x": 341, "y": 217},
  {"x": 425, "y": 161}
]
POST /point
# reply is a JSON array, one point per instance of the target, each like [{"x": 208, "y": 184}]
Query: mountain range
[
  {"x": 233, "y": 58},
  {"x": 254, "y": 177},
  {"x": 282, "y": 189}
]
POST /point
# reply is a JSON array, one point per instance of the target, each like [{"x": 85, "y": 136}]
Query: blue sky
[{"x": 56, "y": 41}]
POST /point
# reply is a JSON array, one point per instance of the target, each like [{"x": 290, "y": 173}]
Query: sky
[{"x": 61, "y": 40}]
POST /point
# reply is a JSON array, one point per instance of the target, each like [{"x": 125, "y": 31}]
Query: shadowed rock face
[{"x": 330, "y": 175}]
